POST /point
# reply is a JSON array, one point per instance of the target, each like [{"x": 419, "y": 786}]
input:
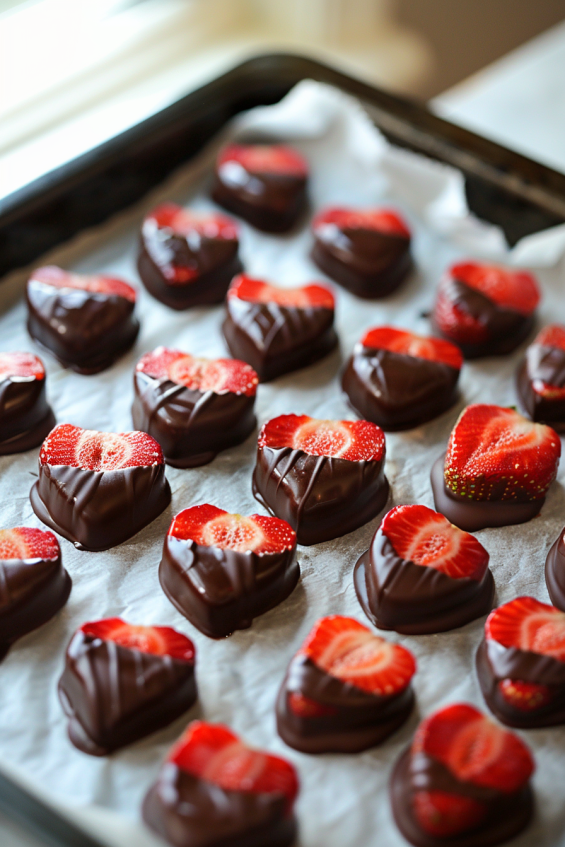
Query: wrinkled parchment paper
[{"x": 343, "y": 801}]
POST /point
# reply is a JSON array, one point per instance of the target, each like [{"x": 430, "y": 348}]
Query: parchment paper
[{"x": 343, "y": 801}]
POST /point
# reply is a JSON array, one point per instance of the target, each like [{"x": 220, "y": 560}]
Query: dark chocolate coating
[
  {"x": 504, "y": 328},
  {"x": 191, "y": 812},
  {"x": 85, "y": 331},
  {"x": 319, "y": 496},
  {"x": 546, "y": 364},
  {"x": 472, "y": 515},
  {"x": 507, "y": 814},
  {"x": 368, "y": 263},
  {"x": 215, "y": 259},
  {"x": 397, "y": 391},
  {"x": 221, "y": 590},
  {"x": 359, "y": 721},
  {"x": 26, "y": 418},
  {"x": 415, "y": 599},
  {"x": 276, "y": 339},
  {"x": 496, "y": 662},
  {"x": 270, "y": 202},
  {"x": 114, "y": 696},
  {"x": 97, "y": 510},
  {"x": 191, "y": 426},
  {"x": 555, "y": 572},
  {"x": 32, "y": 591}
]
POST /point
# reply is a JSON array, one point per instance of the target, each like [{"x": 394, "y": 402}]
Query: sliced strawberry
[
  {"x": 475, "y": 749},
  {"x": 214, "y": 753},
  {"x": 454, "y": 321},
  {"x": 256, "y": 291},
  {"x": 58, "y": 278},
  {"x": 443, "y": 814},
  {"x": 425, "y": 537},
  {"x": 184, "y": 221},
  {"x": 356, "y": 441},
  {"x": 99, "y": 451},
  {"x": 264, "y": 159},
  {"x": 410, "y": 344},
  {"x": 24, "y": 366},
  {"x": 527, "y": 624},
  {"x": 221, "y": 376},
  {"x": 213, "y": 527},
  {"x": 551, "y": 336},
  {"x": 386, "y": 221},
  {"x": 509, "y": 289},
  {"x": 26, "y": 542},
  {"x": 349, "y": 651},
  {"x": 524, "y": 696},
  {"x": 157, "y": 640},
  {"x": 305, "y": 707},
  {"x": 497, "y": 454}
]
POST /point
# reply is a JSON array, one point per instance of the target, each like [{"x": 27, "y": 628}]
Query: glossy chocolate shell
[
  {"x": 546, "y": 364},
  {"x": 26, "y": 418},
  {"x": 270, "y": 202},
  {"x": 555, "y": 572}
]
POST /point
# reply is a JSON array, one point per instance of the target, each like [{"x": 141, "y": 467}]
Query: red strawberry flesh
[
  {"x": 212, "y": 527},
  {"x": 385, "y": 221},
  {"x": 156, "y": 640},
  {"x": 527, "y": 624},
  {"x": 25, "y": 542},
  {"x": 524, "y": 696},
  {"x": 354, "y": 441},
  {"x": 257, "y": 291},
  {"x": 264, "y": 159},
  {"x": 349, "y": 651},
  {"x": 21, "y": 366},
  {"x": 99, "y": 451},
  {"x": 443, "y": 814},
  {"x": 509, "y": 289},
  {"x": 474, "y": 749},
  {"x": 183, "y": 221},
  {"x": 305, "y": 707},
  {"x": 220, "y": 376},
  {"x": 410, "y": 344},
  {"x": 496, "y": 454},
  {"x": 214, "y": 753},
  {"x": 425, "y": 537},
  {"x": 58, "y": 278},
  {"x": 552, "y": 336}
]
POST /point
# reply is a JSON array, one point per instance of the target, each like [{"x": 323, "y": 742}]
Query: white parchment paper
[{"x": 343, "y": 801}]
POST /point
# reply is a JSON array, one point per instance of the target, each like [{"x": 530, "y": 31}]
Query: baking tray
[{"x": 503, "y": 187}]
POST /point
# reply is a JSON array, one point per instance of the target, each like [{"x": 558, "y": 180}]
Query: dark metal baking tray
[{"x": 503, "y": 187}]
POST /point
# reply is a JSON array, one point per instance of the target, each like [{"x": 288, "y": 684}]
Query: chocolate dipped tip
[
  {"x": 555, "y": 571},
  {"x": 540, "y": 379},
  {"x": 25, "y": 415}
]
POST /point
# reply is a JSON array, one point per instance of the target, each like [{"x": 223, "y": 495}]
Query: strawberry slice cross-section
[
  {"x": 184, "y": 222},
  {"x": 20, "y": 367},
  {"x": 25, "y": 542},
  {"x": 155, "y": 640},
  {"x": 220, "y": 376},
  {"x": 378, "y": 220},
  {"x": 409, "y": 344},
  {"x": 527, "y": 624},
  {"x": 213, "y": 527},
  {"x": 264, "y": 159},
  {"x": 516, "y": 290},
  {"x": 355, "y": 441},
  {"x": 305, "y": 297},
  {"x": 95, "y": 284},
  {"x": 99, "y": 451}
]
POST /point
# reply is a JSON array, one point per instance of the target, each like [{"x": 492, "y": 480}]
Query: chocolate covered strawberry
[
  {"x": 194, "y": 407},
  {"x": 263, "y": 183},
  {"x": 99, "y": 488},
  {"x": 326, "y": 478},
  {"x": 86, "y": 322},
  {"x": 365, "y": 250},
  {"x": 462, "y": 778},
  {"x": 346, "y": 689},
  {"x": 223, "y": 793},
  {"x": 222, "y": 570},
  {"x": 541, "y": 378},
  {"x": 187, "y": 259},
  {"x": 487, "y": 310},
  {"x": 421, "y": 574},
  {"x": 33, "y": 583},
  {"x": 400, "y": 380},
  {"x": 25, "y": 415},
  {"x": 122, "y": 682},
  {"x": 278, "y": 330},
  {"x": 521, "y": 663},
  {"x": 497, "y": 469}
]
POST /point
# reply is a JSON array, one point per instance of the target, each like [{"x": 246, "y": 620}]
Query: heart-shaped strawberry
[
  {"x": 122, "y": 682},
  {"x": 365, "y": 250},
  {"x": 485, "y": 309},
  {"x": 326, "y": 478},
  {"x": 222, "y": 570},
  {"x": 187, "y": 259},
  {"x": 33, "y": 583},
  {"x": 400, "y": 380},
  {"x": 497, "y": 469},
  {"x": 99, "y": 488},
  {"x": 263, "y": 183},
  {"x": 278, "y": 330},
  {"x": 86, "y": 322},
  {"x": 541, "y": 378},
  {"x": 25, "y": 415},
  {"x": 194, "y": 407},
  {"x": 212, "y": 782}
]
